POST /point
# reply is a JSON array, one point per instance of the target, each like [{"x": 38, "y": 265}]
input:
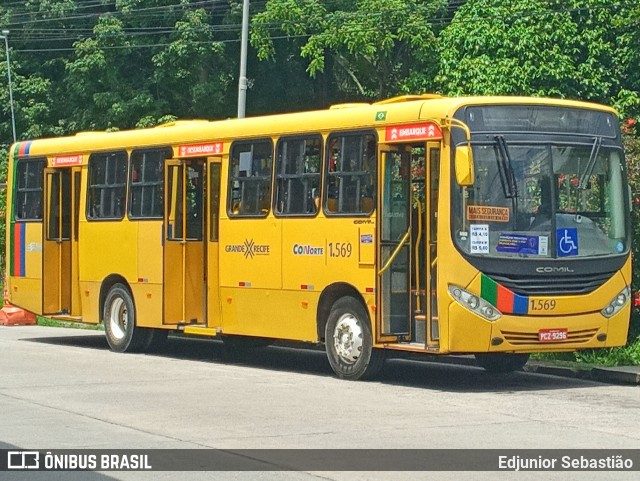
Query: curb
[
  {"x": 626, "y": 375},
  {"x": 617, "y": 375},
  {"x": 611, "y": 375}
]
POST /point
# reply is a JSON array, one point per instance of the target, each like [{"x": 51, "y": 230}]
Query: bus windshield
[{"x": 545, "y": 195}]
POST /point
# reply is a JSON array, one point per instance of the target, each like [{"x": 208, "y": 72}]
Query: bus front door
[
  {"x": 60, "y": 242},
  {"x": 184, "y": 242},
  {"x": 214, "y": 316},
  {"x": 394, "y": 269}
]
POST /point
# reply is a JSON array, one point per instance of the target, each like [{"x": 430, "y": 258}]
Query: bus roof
[{"x": 387, "y": 112}]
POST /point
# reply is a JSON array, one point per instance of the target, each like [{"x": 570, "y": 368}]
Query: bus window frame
[
  {"x": 169, "y": 155},
  {"x": 88, "y": 205},
  {"x": 231, "y": 178},
  {"x": 18, "y": 190},
  {"x": 318, "y": 174},
  {"x": 327, "y": 164}
]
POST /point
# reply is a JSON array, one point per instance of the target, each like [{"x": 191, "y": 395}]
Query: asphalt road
[{"x": 64, "y": 389}]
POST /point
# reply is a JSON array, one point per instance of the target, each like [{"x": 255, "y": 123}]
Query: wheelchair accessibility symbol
[{"x": 567, "y": 240}]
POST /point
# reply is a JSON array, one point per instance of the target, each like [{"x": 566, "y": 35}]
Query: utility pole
[
  {"x": 242, "y": 83},
  {"x": 5, "y": 36}
]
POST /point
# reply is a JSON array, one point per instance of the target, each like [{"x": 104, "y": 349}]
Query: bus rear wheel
[
  {"x": 501, "y": 362},
  {"x": 349, "y": 342},
  {"x": 119, "y": 317}
]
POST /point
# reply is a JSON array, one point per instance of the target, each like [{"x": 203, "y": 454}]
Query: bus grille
[
  {"x": 551, "y": 285},
  {"x": 521, "y": 338}
]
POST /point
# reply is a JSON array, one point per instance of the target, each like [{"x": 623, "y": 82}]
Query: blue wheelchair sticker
[{"x": 567, "y": 242}]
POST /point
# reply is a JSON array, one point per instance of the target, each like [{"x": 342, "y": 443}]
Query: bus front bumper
[{"x": 470, "y": 333}]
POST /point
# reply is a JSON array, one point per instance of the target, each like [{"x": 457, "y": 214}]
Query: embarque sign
[{"x": 421, "y": 131}]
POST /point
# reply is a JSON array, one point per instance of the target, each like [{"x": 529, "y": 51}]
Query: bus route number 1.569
[
  {"x": 340, "y": 249},
  {"x": 542, "y": 304}
]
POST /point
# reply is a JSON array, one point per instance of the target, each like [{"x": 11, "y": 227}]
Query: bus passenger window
[
  {"x": 298, "y": 162},
  {"x": 250, "y": 179},
  {"x": 351, "y": 174},
  {"x": 107, "y": 185},
  {"x": 27, "y": 203},
  {"x": 146, "y": 183}
]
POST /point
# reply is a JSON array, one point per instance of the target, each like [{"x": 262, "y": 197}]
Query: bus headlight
[
  {"x": 617, "y": 303},
  {"x": 474, "y": 303}
]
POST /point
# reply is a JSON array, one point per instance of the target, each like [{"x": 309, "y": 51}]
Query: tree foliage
[
  {"x": 582, "y": 49},
  {"x": 374, "y": 45}
]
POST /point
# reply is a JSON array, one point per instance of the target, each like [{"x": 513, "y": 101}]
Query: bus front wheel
[
  {"x": 501, "y": 362},
  {"x": 349, "y": 343},
  {"x": 120, "y": 322}
]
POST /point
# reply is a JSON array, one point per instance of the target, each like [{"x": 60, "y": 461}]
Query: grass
[
  {"x": 628, "y": 355},
  {"x": 47, "y": 322}
]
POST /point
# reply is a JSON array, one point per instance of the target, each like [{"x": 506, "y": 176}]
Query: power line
[
  {"x": 118, "y": 47},
  {"x": 72, "y": 34}
]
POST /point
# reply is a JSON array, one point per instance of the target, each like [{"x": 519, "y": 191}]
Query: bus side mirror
[{"x": 464, "y": 165}]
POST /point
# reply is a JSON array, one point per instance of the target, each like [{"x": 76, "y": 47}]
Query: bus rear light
[
  {"x": 474, "y": 303},
  {"x": 617, "y": 303}
]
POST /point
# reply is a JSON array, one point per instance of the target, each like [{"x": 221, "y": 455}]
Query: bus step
[
  {"x": 435, "y": 330},
  {"x": 420, "y": 321},
  {"x": 200, "y": 331}
]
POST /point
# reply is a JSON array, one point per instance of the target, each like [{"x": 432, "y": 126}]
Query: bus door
[
  {"x": 408, "y": 245},
  {"x": 214, "y": 315},
  {"x": 184, "y": 242},
  {"x": 60, "y": 242},
  {"x": 427, "y": 328},
  {"x": 394, "y": 251}
]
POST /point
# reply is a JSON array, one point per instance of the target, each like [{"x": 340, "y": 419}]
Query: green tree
[
  {"x": 579, "y": 49},
  {"x": 189, "y": 73},
  {"x": 372, "y": 46}
]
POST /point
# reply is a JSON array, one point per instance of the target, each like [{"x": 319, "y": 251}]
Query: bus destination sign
[
  {"x": 200, "y": 149},
  {"x": 421, "y": 131},
  {"x": 66, "y": 160}
]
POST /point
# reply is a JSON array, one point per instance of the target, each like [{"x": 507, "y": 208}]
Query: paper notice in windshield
[
  {"x": 486, "y": 213},
  {"x": 479, "y": 238},
  {"x": 523, "y": 244}
]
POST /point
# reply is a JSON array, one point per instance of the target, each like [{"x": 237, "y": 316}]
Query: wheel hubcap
[
  {"x": 347, "y": 338},
  {"x": 118, "y": 319}
]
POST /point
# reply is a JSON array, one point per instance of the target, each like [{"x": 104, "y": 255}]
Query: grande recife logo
[{"x": 249, "y": 249}]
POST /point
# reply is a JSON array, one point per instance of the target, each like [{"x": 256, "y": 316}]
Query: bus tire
[
  {"x": 501, "y": 362},
  {"x": 119, "y": 319},
  {"x": 349, "y": 342}
]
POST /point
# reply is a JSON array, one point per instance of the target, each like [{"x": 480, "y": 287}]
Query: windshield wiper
[
  {"x": 505, "y": 169},
  {"x": 595, "y": 148}
]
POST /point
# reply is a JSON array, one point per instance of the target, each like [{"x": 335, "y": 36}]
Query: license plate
[{"x": 552, "y": 335}]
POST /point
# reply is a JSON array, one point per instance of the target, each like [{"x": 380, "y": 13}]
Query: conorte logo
[{"x": 23, "y": 460}]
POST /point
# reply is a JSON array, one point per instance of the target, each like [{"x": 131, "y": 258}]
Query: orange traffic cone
[{"x": 14, "y": 316}]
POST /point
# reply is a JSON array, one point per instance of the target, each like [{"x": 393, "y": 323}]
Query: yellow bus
[{"x": 494, "y": 226}]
